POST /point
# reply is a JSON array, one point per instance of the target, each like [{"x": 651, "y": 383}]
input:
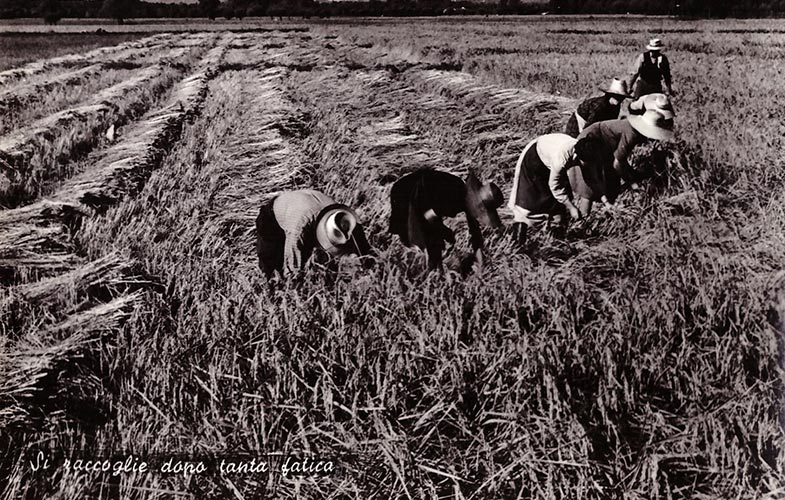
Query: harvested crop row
[
  {"x": 32, "y": 157},
  {"x": 219, "y": 192},
  {"x": 38, "y": 67},
  {"x": 541, "y": 112},
  {"x": 257, "y": 51},
  {"x": 21, "y": 96},
  {"x": 22, "y": 104},
  {"x": 27, "y": 396},
  {"x": 30, "y": 230},
  {"x": 30, "y": 365}
]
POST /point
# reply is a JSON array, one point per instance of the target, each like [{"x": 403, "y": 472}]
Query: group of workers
[{"x": 558, "y": 177}]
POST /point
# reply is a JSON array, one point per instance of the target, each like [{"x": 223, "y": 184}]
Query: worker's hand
[
  {"x": 574, "y": 212},
  {"x": 448, "y": 235},
  {"x": 431, "y": 216},
  {"x": 605, "y": 201}
]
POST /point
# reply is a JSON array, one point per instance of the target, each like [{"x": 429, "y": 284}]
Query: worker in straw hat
[
  {"x": 421, "y": 200},
  {"x": 651, "y": 68},
  {"x": 658, "y": 102},
  {"x": 607, "y": 169},
  {"x": 295, "y": 223},
  {"x": 597, "y": 109},
  {"x": 541, "y": 193}
]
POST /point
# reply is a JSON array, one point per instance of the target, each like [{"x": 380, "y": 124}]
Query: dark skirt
[
  {"x": 533, "y": 192},
  {"x": 270, "y": 240},
  {"x": 593, "y": 181}
]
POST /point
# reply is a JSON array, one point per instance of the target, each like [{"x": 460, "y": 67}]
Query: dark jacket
[
  {"x": 616, "y": 139},
  {"x": 423, "y": 190},
  {"x": 592, "y": 110}
]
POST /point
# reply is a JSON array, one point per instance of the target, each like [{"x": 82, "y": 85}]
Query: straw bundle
[
  {"x": 32, "y": 368},
  {"x": 521, "y": 104},
  {"x": 112, "y": 271}
]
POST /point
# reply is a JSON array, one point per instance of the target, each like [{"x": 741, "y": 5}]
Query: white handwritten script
[{"x": 286, "y": 465}]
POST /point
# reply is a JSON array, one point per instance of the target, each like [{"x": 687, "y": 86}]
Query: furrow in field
[
  {"x": 119, "y": 51},
  {"x": 32, "y": 229},
  {"x": 41, "y": 235},
  {"x": 257, "y": 51},
  {"x": 34, "y": 157}
]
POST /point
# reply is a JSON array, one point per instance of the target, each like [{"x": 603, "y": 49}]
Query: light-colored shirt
[
  {"x": 555, "y": 151},
  {"x": 296, "y": 213}
]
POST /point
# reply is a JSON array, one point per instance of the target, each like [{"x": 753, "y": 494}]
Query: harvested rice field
[{"x": 637, "y": 357}]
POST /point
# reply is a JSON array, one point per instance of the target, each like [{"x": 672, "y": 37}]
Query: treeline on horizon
[{"x": 54, "y": 10}]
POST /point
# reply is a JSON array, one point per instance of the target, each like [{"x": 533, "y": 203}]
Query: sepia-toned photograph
[{"x": 392, "y": 249}]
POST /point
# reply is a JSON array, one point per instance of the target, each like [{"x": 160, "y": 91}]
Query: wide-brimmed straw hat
[
  {"x": 617, "y": 87},
  {"x": 660, "y": 103},
  {"x": 653, "y": 125},
  {"x": 334, "y": 231},
  {"x": 482, "y": 201},
  {"x": 655, "y": 44}
]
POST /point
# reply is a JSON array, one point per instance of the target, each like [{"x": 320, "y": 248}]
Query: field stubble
[{"x": 636, "y": 362}]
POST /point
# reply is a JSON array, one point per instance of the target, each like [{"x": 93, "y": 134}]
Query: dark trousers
[{"x": 270, "y": 240}]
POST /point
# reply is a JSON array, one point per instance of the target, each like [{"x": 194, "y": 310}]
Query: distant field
[
  {"x": 636, "y": 359},
  {"x": 21, "y": 48},
  {"x": 142, "y": 25}
]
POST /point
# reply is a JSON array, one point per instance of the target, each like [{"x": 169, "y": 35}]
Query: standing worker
[
  {"x": 598, "y": 109},
  {"x": 295, "y": 223},
  {"x": 650, "y": 70}
]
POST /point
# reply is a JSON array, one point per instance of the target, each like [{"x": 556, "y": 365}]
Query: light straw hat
[
  {"x": 617, "y": 87},
  {"x": 660, "y": 103},
  {"x": 334, "y": 231},
  {"x": 655, "y": 44},
  {"x": 653, "y": 125}
]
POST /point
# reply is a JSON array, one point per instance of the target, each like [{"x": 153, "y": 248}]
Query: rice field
[{"x": 640, "y": 357}]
